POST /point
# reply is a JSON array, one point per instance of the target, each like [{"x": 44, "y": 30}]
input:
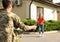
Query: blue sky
[{"x": 56, "y": 1}]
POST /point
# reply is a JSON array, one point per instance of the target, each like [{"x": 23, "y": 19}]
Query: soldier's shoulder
[
  {"x": 13, "y": 14},
  {"x": 2, "y": 10}
]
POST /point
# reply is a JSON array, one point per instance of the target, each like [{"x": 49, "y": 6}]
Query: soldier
[{"x": 8, "y": 22}]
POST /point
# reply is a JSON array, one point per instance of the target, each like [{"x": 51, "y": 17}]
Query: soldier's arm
[{"x": 21, "y": 25}]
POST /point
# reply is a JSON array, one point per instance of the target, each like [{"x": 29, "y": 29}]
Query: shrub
[
  {"x": 48, "y": 25},
  {"x": 51, "y": 25},
  {"x": 29, "y": 22}
]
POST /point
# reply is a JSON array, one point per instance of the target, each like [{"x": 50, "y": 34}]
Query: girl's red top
[{"x": 40, "y": 20}]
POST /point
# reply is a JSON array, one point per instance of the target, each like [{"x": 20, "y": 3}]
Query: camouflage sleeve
[{"x": 19, "y": 24}]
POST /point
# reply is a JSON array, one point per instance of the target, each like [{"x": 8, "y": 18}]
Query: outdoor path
[{"x": 48, "y": 37}]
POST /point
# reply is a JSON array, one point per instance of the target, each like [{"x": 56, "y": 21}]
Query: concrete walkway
[{"x": 53, "y": 36}]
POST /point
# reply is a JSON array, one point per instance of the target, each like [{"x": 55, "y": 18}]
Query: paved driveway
[{"x": 48, "y": 37}]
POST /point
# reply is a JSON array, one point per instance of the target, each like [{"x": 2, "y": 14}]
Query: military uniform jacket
[{"x": 8, "y": 22}]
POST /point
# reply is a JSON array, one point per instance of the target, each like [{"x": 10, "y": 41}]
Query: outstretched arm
[{"x": 21, "y": 25}]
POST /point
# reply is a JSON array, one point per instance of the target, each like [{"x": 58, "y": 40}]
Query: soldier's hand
[{"x": 33, "y": 27}]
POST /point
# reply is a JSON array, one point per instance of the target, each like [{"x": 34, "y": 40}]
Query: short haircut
[{"x": 6, "y": 3}]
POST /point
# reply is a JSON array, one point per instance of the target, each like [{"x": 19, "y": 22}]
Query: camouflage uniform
[{"x": 8, "y": 23}]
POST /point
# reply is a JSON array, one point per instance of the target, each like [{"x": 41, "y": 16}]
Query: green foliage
[
  {"x": 48, "y": 25},
  {"x": 29, "y": 22},
  {"x": 51, "y": 25}
]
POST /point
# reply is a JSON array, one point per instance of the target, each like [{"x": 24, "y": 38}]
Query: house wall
[
  {"x": 33, "y": 12},
  {"x": 1, "y": 4},
  {"x": 22, "y": 11},
  {"x": 50, "y": 13},
  {"x": 46, "y": 6}
]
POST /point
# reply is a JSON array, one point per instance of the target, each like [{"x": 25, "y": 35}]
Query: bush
[
  {"x": 51, "y": 25},
  {"x": 48, "y": 25},
  {"x": 29, "y": 22}
]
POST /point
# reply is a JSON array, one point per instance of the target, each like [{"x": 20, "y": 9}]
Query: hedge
[
  {"x": 48, "y": 25},
  {"x": 51, "y": 25},
  {"x": 29, "y": 22}
]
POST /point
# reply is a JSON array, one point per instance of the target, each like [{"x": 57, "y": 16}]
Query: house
[
  {"x": 46, "y": 8},
  {"x": 31, "y": 8}
]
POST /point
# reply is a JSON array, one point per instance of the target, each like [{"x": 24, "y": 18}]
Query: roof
[
  {"x": 58, "y": 3},
  {"x": 47, "y": 2}
]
